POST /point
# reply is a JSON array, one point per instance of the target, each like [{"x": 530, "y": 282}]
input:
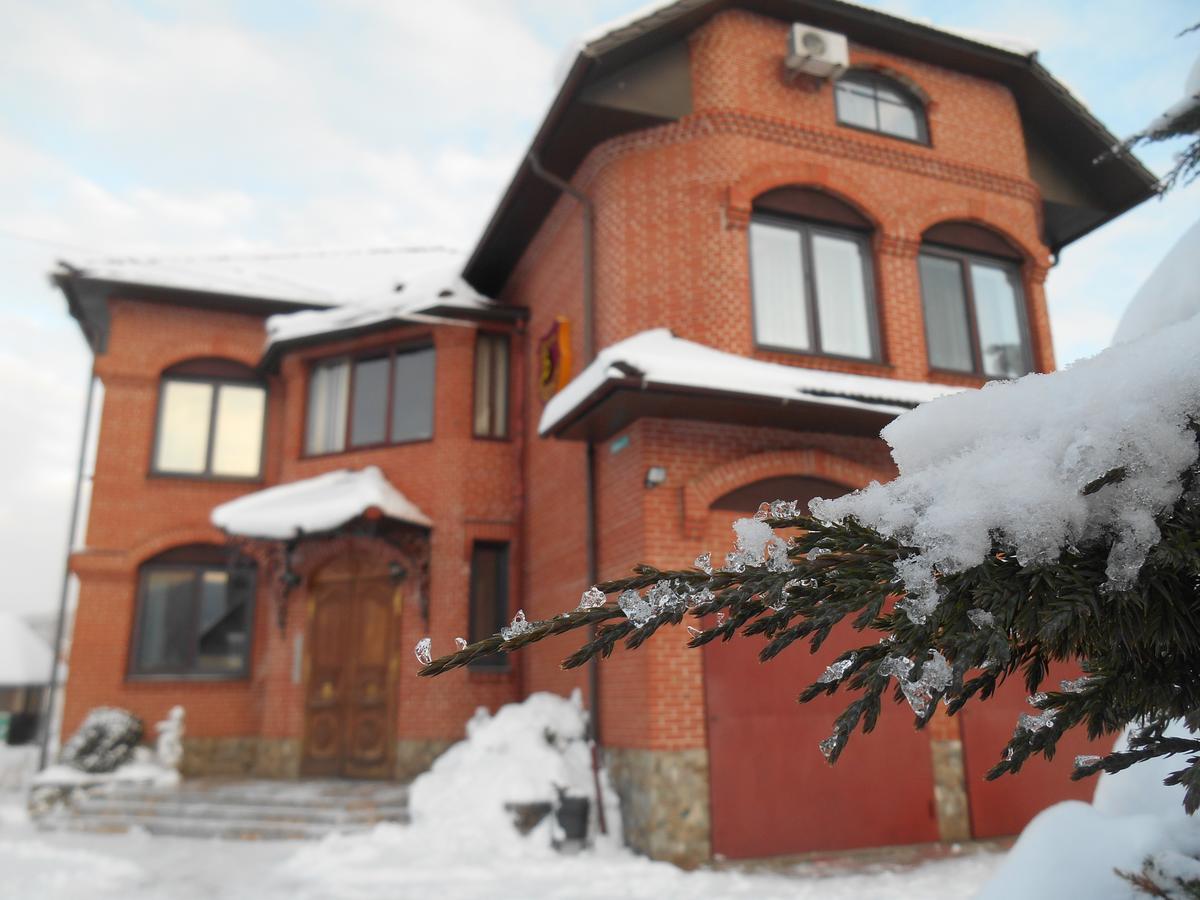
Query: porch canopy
[
  {"x": 655, "y": 374},
  {"x": 316, "y": 505}
]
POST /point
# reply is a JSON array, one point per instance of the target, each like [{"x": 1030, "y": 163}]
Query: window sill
[
  {"x": 365, "y": 448},
  {"x": 187, "y": 476},
  {"x": 815, "y": 356},
  {"x": 164, "y": 678},
  {"x": 912, "y": 142}
]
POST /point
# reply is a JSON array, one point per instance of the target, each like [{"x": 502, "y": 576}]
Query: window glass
[
  {"x": 875, "y": 102},
  {"x": 946, "y": 327},
  {"x": 237, "y": 444},
  {"x": 489, "y": 597},
  {"x": 167, "y": 620},
  {"x": 777, "y": 278},
  {"x": 856, "y": 105},
  {"x": 899, "y": 119},
  {"x": 500, "y": 387},
  {"x": 841, "y": 296},
  {"x": 483, "y": 374},
  {"x": 328, "y": 391},
  {"x": 412, "y": 396},
  {"x": 368, "y": 420},
  {"x": 193, "y": 619},
  {"x": 491, "y": 385},
  {"x": 1000, "y": 342},
  {"x": 184, "y": 419}
]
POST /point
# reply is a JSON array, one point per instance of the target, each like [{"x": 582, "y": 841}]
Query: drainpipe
[
  {"x": 589, "y": 353},
  {"x": 60, "y": 626}
]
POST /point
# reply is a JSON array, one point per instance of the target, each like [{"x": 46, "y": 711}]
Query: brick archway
[
  {"x": 763, "y": 178},
  {"x": 699, "y": 494},
  {"x": 981, "y": 213}
]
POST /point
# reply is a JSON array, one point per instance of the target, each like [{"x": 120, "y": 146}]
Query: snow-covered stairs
[{"x": 237, "y": 810}]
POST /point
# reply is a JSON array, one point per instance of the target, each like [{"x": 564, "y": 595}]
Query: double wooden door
[{"x": 349, "y": 692}]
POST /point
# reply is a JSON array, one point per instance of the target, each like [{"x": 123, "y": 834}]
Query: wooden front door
[{"x": 349, "y": 700}]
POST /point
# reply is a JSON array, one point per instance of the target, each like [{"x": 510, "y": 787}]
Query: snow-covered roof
[
  {"x": 442, "y": 287},
  {"x": 25, "y": 658},
  {"x": 639, "y": 17},
  {"x": 315, "y": 505},
  {"x": 318, "y": 277},
  {"x": 658, "y": 358}
]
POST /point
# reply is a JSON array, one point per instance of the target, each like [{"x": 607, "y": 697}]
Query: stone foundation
[
  {"x": 416, "y": 756},
  {"x": 218, "y": 756},
  {"x": 664, "y": 802},
  {"x": 950, "y": 790},
  {"x": 250, "y": 757},
  {"x": 277, "y": 758}
]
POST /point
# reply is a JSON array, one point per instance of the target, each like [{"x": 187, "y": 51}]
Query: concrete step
[
  {"x": 235, "y": 809},
  {"x": 229, "y": 829},
  {"x": 105, "y": 804}
]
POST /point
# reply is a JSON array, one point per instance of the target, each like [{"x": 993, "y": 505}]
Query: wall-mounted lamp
[{"x": 655, "y": 475}]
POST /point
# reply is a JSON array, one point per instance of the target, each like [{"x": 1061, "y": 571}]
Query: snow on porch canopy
[
  {"x": 655, "y": 374},
  {"x": 315, "y": 505}
]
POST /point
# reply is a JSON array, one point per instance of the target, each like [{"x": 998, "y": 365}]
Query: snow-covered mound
[
  {"x": 1172, "y": 292},
  {"x": 517, "y": 755},
  {"x": 458, "y": 810},
  {"x": 1071, "y": 849},
  {"x": 1014, "y": 457}
]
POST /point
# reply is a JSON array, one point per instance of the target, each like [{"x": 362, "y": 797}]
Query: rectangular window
[
  {"x": 210, "y": 428},
  {"x": 811, "y": 289},
  {"x": 973, "y": 315},
  {"x": 193, "y": 620},
  {"x": 370, "y": 401},
  {"x": 489, "y": 598},
  {"x": 491, "y": 385}
]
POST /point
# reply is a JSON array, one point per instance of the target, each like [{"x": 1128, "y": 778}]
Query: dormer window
[
  {"x": 811, "y": 277},
  {"x": 874, "y": 102}
]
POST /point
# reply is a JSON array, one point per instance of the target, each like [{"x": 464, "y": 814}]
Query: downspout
[
  {"x": 590, "y": 540},
  {"x": 60, "y": 626}
]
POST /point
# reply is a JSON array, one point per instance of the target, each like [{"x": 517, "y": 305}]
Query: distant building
[{"x": 825, "y": 252}]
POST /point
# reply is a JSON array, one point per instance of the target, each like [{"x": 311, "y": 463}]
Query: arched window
[
  {"x": 811, "y": 277},
  {"x": 974, "y": 307},
  {"x": 874, "y": 102},
  {"x": 195, "y": 608},
  {"x": 210, "y": 420}
]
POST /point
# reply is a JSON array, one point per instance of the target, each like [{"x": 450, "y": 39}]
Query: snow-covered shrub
[{"x": 105, "y": 741}]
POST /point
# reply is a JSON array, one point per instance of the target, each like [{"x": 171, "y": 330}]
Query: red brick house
[{"x": 825, "y": 252}]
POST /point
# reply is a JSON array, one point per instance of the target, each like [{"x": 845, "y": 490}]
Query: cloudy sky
[{"x": 211, "y": 125}]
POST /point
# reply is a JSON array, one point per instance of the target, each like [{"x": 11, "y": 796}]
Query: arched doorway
[
  {"x": 353, "y": 622},
  {"x": 772, "y": 793}
]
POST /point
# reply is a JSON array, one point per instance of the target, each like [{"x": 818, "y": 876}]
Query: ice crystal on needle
[
  {"x": 836, "y": 671},
  {"x": 591, "y": 598},
  {"x": 460, "y": 643},
  {"x": 704, "y": 563},
  {"x": 519, "y": 626},
  {"x": 423, "y": 651},
  {"x": 981, "y": 618},
  {"x": 636, "y": 608}
]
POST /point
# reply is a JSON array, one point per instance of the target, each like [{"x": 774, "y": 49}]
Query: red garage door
[
  {"x": 772, "y": 792},
  {"x": 1006, "y": 805}
]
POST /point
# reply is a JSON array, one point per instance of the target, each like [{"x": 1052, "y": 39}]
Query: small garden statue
[{"x": 169, "y": 746}]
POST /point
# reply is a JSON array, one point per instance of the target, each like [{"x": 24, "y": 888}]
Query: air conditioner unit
[{"x": 816, "y": 52}]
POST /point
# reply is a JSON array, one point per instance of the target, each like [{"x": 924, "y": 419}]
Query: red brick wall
[
  {"x": 471, "y": 488},
  {"x": 672, "y": 207}
]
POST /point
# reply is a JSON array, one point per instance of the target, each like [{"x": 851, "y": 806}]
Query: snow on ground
[
  {"x": 1071, "y": 848},
  {"x": 460, "y": 845}
]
